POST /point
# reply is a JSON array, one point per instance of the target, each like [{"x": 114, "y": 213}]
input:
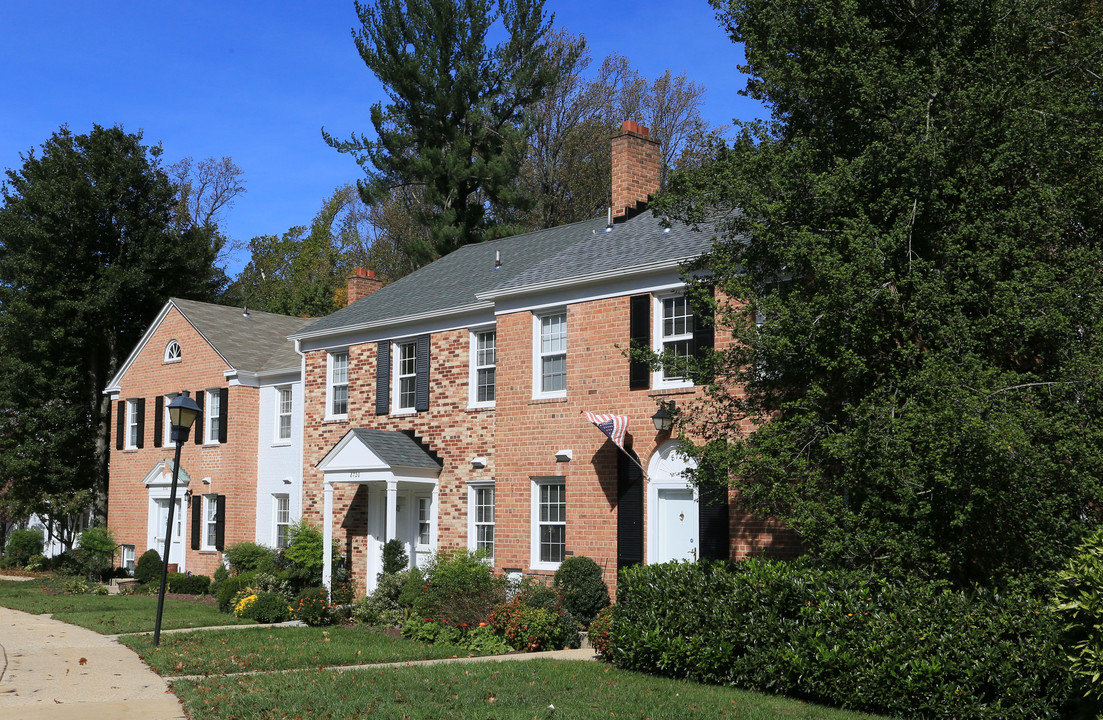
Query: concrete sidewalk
[{"x": 56, "y": 671}]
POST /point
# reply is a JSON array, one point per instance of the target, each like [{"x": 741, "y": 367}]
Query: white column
[
  {"x": 327, "y": 536},
  {"x": 433, "y": 517},
  {"x": 392, "y": 510}
]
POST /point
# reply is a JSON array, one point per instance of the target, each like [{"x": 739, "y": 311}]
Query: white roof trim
[
  {"x": 588, "y": 279},
  {"x": 387, "y": 322},
  {"x": 113, "y": 387}
]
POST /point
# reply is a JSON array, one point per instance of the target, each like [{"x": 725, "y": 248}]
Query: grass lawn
[
  {"x": 108, "y": 614},
  {"x": 521, "y": 690},
  {"x": 265, "y": 648}
]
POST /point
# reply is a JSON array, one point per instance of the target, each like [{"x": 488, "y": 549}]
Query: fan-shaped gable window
[{"x": 172, "y": 352}]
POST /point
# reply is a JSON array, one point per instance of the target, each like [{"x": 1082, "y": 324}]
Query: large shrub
[
  {"x": 22, "y": 546},
  {"x": 148, "y": 568},
  {"x": 269, "y": 607},
  {"x": 525, "y": 627},
  {"x": 382, "y": 607},
  {"x": 230, "y": 587},
  {"x": 312, "y": 607},
  {"x": 395, "y": 557},
  {"x": 246, "y": 556},
  {"x": 188, "y": 584},
  {"x": 579, "y": 581},
  {"x": 1079, "y": 606},
  {"x": 843, "y": 638},
  {"x": 459, "y": 588},
  {"x": 97, "y": 552},
  {"x": 601, "y": 630}
]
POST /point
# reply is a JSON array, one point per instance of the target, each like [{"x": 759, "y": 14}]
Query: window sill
[
  {"x": 667, "y": 391},
  {"x": 335, "y": 419},
  {"x": 484, "y": 406},
  {"x": 548, "y": 400},
  {"x": 282, "y": 443},
  {"x": 402, "y": 412}
]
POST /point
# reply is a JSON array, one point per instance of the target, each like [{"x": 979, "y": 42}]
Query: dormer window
[{"x": 172, "y": 352}]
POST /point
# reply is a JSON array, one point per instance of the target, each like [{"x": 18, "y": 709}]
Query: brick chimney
[
  {"x": 636, "y": 166},
  {"x": 361, "y": 284}
]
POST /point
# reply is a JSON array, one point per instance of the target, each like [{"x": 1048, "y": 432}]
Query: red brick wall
[
  {"x": 456, "y": 433},
  {"x": 232, "y": 467},
  {"x": 636, "y": 167}
]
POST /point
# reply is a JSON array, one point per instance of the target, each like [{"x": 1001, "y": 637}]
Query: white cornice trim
[
  {"x": 587, "y": 279},
  {"x": 388, "y": 322}
]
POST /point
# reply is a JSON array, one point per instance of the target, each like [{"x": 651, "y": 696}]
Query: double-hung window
[
  {"x": 405, "y": 376},
  {"x": 674, "y": 339},
  {"x": 481, "y": 512},
  {"x": 133, "y": 424},
  {"x": 424, "y": 522},
  {"x": 283, "y": 414},
  {"x": 282, "y": 517},
  {"x": 484, "y": 361},
  {"x": 212, "y": 416},
  {"x": 550, "y": 363},
  {"x": 338, "y": 386},
  {"x": 210, "y": 522},
  {"x": 550, "y": 523}
]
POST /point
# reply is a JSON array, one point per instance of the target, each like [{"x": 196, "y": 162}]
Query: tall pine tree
[
  {"x": 454, "y": 128},
  {"x": 89, "y": 253},
  {"x": 914, "y": 265}
]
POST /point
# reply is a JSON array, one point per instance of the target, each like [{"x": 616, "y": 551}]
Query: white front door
[
  {"x": 160, "y": 523},
  {"x": 677, "y": 520}
]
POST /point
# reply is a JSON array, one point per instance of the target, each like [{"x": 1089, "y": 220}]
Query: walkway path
[{"x": 50, "y": 670}]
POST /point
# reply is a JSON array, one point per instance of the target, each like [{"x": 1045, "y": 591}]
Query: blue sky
[{"x": 258, "y": 80}]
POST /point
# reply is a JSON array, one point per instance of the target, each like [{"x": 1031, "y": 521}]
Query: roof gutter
[
  {"x": 387, "y": 322},
  {"x": 588, "y": 279}
]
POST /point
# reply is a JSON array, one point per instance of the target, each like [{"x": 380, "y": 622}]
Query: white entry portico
[
  {"x": 401, "y": 478},
  {"x": 158, "y": 482}
]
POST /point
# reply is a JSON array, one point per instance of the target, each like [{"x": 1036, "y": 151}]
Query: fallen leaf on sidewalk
[{"x": 84, "y": 661}]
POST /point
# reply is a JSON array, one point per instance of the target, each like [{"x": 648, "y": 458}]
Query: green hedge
[
  {"x": 188, "y": 584},
  {"x": 843, "y": 638}
]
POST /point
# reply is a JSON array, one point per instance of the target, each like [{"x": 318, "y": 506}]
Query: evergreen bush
[
  {"x": 269, "y": 607},
  {"x": 148, "y": 568},
  {"x": 579, "y": 581},
  {"x": 97, "y": 552},
  {"x": 1079, "y": 606},
  {"x": 22, "y": 546},
  {"x": 246, "y": 556},
  {"x": 460, "y": 588},
  {"x": 230, "y": 587},
  {"x": 395, "y": 557},
  {"x": 188, "y": 585},
  {"x": 843, "y": 638}
]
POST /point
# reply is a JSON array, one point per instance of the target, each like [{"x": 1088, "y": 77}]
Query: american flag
[{"x": 614, "y": 426}]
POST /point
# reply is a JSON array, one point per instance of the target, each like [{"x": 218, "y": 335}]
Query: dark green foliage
[
  {"x": 269, "y": 607},
  {"x": 843, "y": 638},
  {"x": 90, "y": 247},
  {"x": 383, "y": 606},
  {"x": 919, "y": 229},
  {"x": 527, "y": 627},
  {"x": 220, "y": 574},
  {"x": 395, "y": 558},
  {"x": 312, "y": 607},
  {"x": 148, "y": 567},
  {"x": 454, "y": 127},
  {"x": 459, "y": 588},
  {"x": 22, "y": 544},
  {"x": 96, "y": 551},
  {"x": 1079, "y": 606},
  {"x": 188, "y": 584},
  {"x": 301, "y": 561},
  {"x": 246, "y": 556},
  {"x": 579, "y": 580},
  {"x": 230, "y": 587},
  {"x": 412, "y": 589}
]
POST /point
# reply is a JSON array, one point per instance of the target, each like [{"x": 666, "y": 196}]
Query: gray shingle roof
[
  {"x": 544, "y": 256},
  {"x": 253, "y": 344},
  {"x": 395, "y": 448}
]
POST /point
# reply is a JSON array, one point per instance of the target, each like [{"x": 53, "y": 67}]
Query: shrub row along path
[{"x": 56, "y": 671}]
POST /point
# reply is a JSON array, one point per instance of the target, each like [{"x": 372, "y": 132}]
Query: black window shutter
[
  {"x": 703, "y": 334},
  {"x": 219, "y": 522},
  {"x": 120, "y": 424},
  {"x": 383, "y": 377},
  {"x": 141, "y": 412},
  {"x": 196, "y": 520},
  {"x": 639, "y": 329},
  {"x": 200, "y": 396},
  {"x": 629, "y": 512},
  {"x": 712, "y": 517},
  {"x": 223, "y": 413},
  {"x": 158, "y": 420},
  {"x": 421, "y": 381}
]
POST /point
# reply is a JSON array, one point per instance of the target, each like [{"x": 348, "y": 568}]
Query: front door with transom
[{"x": 672, "y": 513}]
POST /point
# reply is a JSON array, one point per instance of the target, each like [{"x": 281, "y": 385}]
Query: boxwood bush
[
  {"x": 22, "y": 546},
  {"x": 843, "y": 638},
  {"x": 188, "y": 584},
  {"x": 584, "y": 591}
]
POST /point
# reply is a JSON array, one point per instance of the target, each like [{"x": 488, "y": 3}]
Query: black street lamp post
[{"x": 182, "y": 414}]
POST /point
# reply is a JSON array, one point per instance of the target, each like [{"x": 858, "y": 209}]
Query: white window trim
[
  {"x": 537, "y": 366},
  {"x": 127, "y": 559},
  {"x": 166, "y": 424},
  {"x": 210, "y": 437},
  {"x": 276, "y": 497},
  {"x": 474, "y": 367},
  {"x": 534, "y": 546},
  {"x": 428, "y": 521},
  {"x": 472, "y": 525},
  {"x": 278, "y": 415},
  {"x": 206, "y": 526},
  {"x": 131, "y": 425},
  {"x": 330, "y": 415},
  {"x": 396, "y": 377},
  {"x": 168, "y": 352},
  {"x": 658, "y": 377}
]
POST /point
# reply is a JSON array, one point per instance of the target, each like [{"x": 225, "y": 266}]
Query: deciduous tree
[{"x": 917, "y": 233}]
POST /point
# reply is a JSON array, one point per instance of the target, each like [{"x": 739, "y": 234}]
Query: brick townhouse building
[
  {"x": 239, "y": 470},
  {"x": 446, "y": 409}
]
